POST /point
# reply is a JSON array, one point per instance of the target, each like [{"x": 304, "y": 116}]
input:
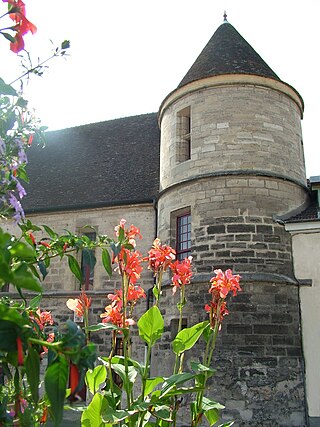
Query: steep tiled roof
[
  {"x": 108, "y": 163},
  {"x": 227, "y": 52}
]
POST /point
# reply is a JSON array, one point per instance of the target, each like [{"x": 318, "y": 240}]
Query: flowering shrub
[{"x": 28, "y": 333}]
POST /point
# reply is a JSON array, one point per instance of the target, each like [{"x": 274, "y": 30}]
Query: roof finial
[{"x": 225, "y": 17}]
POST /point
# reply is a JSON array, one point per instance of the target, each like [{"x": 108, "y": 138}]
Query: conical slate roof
[{"x": 227, "y": 52}]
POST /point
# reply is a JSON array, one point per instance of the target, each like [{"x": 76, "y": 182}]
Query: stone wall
[{"x": 258, "y": 356}]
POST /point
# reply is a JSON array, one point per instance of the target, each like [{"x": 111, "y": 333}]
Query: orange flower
[
  {"x": 223, "y": 283},
  {"x": 130, "y": 234},
  {"x": 20, "y": 351},
  {"x": 181, "y": 273},
  {"x": 33, "y": 239},
  {"x": 79, "y": 305},
  {"x": 44, "y": 244},
  {"x": 130, "y": 264},
  {"x": 114, "y": 315},
  {"x": 160, "y": 256},
  {"x": 42, "y": 318}
]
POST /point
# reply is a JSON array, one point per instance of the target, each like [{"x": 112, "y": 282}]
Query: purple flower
[{"x": 19, "y": 213}]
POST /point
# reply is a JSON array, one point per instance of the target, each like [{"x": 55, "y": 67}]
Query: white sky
[{"x": 127, "y": 55}]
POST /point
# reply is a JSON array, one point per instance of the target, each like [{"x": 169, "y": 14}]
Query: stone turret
[
  {"x": 231, "y": 149},
  {"x": 231, "y": 157}
]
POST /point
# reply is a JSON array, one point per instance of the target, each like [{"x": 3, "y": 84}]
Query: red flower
[
  {"x": 74, "y": 377},
  {"x": 114, "y": 315},
  {"x": 212, "y": 308},
  {"x": 65, "y": 246},
  {"x": 181, "y": 273},
  {"x": 130, "y": 264},
  {"x": 42, "y": 318},
  {"x": 130, "y": 234},
  {"x": 160, "y": 256},
  {"x": 223, "y": 283},
  {"x": 33, "y": 239},
  {"x": 79, "y": 305},
  {"x": 18, "y": 44},
  {"x": 20, "y": 351},
  {"x": 44, "y": 244}
]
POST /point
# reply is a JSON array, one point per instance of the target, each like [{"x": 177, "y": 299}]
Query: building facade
[{"x": 218, "y": 173}]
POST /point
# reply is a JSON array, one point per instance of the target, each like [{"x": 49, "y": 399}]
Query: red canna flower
[
  {"x": 181, "y": 273},
  {"x": 114, "y": 315},
  {"x": 223, "y": 283},
  {"x": 130, "y": 264},
  {"x": 20, "y": 351},
  {"x": 23, "y": 25},
  {"x": 79, "y": 305},
  {"x": 130, "y": 234},
  {"x": 160, "y": 256}
]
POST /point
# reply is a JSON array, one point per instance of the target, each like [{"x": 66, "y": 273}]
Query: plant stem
[
  {"x": 207, "y": 361},
  {"x": 180, "y": 306}
]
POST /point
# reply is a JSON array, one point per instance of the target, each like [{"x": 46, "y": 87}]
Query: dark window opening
[
  {"x": 183, "y": 135},
  {"x": 183, "y": 239}
]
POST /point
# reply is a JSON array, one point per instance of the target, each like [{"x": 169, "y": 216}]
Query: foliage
[{"x": 120, "y": 389}]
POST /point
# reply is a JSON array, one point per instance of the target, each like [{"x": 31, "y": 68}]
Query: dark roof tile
[{"x": 227, "y": 52}]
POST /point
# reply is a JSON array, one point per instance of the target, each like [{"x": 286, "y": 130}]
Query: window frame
[
  {"x": 184, "y": 130},
  {"x": 184, "y": 252}
]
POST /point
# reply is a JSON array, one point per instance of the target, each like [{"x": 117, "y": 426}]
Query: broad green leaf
[
  {"x": 120, "y": 370},
  {"x": 151, "y": 325},
  {"x": 55, "y": 381},
  {"x": 50, "y": 232},
  {"x": 91, "y": 417},
  {"x": 175, "y": 380},
  {"x": 7, "y": 89},
  {"x": 163, "y": 412},
  {"x": 199, "y": 367},
  {"x": 212, "y": 416},
  {"x": 35, "y": 302},
  {"x": 74, "y": 267},
  {"x": 22, "y": 250},
  {"x": 8, "y": 336},
  {"x": 187, "y": 338},
  {"x": 115, "y": 416},
  {"x": 32, "y": 365},
  {"x": 23, "y": 278},
  {"x": 151, "y": 383},
  {"x": 89, "y": 258},
  {"x": 208, "y": 404},
  {"x": 106, "y": 261},
  {"x": 95, "y": 377}
]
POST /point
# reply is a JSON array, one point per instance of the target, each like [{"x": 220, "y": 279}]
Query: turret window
[
  {"x": 183, "y": 241},
  {"x": 183, "y": 152}
]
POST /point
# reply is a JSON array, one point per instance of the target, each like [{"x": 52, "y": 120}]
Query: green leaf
[
  {"x": 32, "y": 365},
  {"x": 8, "y": 336},
  {"x": 7, "y": 89},
  {"x": 208, "y": 404},
  {"x": 22, "y": 250},
  {"x": 106, "y": 261},
  {"x": 96, "y": 377},
  {"x": 121, "y": 371},
  {"x": 50, "y": 232},
  {"x": 55, "y": 381},
  {"x": 175, "y": 380},
  {"x": 101, "y": 326},
  {"x": 8, "y": 37},
  {"x": 42, "y": 269},
  {"x": 35, "y": 302},
  {"x": 229, "y": 424},
  {"x": 74, "y": 267},
  {"x": 91, "y": 417},
  {"x": 187, "y": 338},
  {"x": 163, "y": 412},
  {"x": 151, "y": 325},
  {"x": 151, "y": 383},
  {"x": 212, "y": 416},
  {"x": 23, "y": 278},
  {"x": 89, "y": 258}
]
